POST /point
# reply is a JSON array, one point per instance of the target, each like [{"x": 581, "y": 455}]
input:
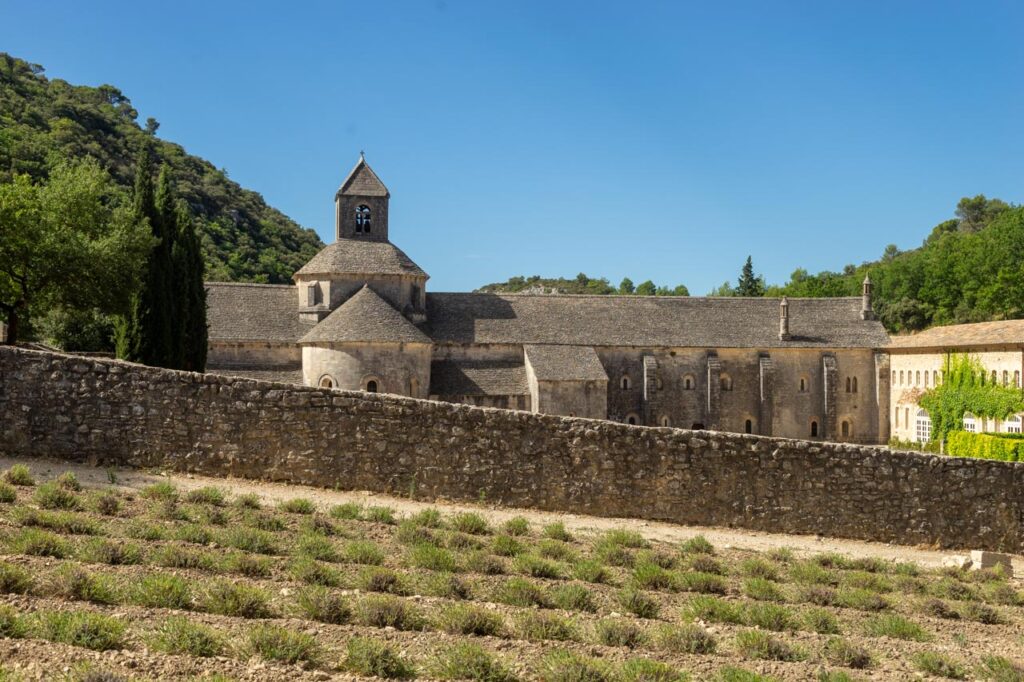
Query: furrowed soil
[{"x": 133, "y": 575}]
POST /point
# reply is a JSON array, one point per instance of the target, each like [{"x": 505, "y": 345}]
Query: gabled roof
[
  {"x": 253, "y": 312},
  {"x": 365, "y": 317},
  {"x": 360, "y": 257},
  {"x": 980, "y": 334},
  {"x": 477, "y": 377},
  {"x": 363, "y": 182},
  {"x": 565, "y": 363},
  {"x": 649, "y": 321}
]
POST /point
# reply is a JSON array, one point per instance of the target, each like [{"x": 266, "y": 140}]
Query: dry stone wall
[{"x": 108, "y": 412}]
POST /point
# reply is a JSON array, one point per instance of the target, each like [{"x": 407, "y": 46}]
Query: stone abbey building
[{"x": 359, "y": 317}]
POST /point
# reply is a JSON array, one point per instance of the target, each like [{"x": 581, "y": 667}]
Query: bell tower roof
[{"x": 363, "y": 182}]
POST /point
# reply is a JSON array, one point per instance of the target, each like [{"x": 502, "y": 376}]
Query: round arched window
[
  {"x": 363, "y": 219},
  {"x": 326, "y": 381},
  {"x": 371, "y": 386}
]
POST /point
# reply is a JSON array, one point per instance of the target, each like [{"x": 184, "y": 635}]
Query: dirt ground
[{"x": 135, "y": 479}]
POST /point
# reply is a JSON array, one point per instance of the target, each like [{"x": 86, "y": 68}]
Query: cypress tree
[
  {"x": 145, "y": 334},
  {"x": 749, "y": 283},
  {"x": 189, "y": 268},
  {"x": 173, "y": 294}
]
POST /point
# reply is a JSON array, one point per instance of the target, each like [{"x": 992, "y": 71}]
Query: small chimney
[
  {"x": 866, "y": 313},
  {"x": 784, "y": 319}
]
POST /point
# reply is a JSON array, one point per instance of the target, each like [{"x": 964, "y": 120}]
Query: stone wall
[{"x": 104, "y": 411}]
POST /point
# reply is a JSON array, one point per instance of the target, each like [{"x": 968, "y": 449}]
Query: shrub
[
  {"x": 431, "y": 557},
  {"x": 428, "y": 518},
  {"x": 316, "y": 546},
  {"x": 248, "y": 501},
  {"x": 862, "y": 600},
  {"x": 264, "y": 521},
  {"x": 652, "y": 577},
  {"x": 7, "y": 493},
  {"x": 74, "y": 582},
  {"x": 275, "y": 643},
  {"x": 470, "y": 522},
  {"x": 646, "y": 670},
  {"x": 68, "y": 481},
  {"x": 53, "y": 496},
  {"x": 235, "y": 599},
  {"x": 810, "y": 573},
  {"x": 408, "y": 533},
  {"x": 383, "y": 611},
  {"x": 982, "y": 614},
  {"x": 467, "y": 619},
  {"x": 249, "y": 540},
  {"x": 897, "y": 627},
  {"x": 506, "y": 545},
  {"x": 12, "y": 624},
  {"x": 984, "y": 446},
  {"x": 614, "y": 555},
  {"x": 760, "y": 645},
  {"x": 940, "y": 665},
  {"x": 516, "y": 526},
  {"x": 377, "y": 579},
  {"x": 657, "y": 557},
  {"x": 80, "y": 628},
  {"x": 768, "y": 616},
  {"x": 385, "y": 515},
  {"x": 821, "y": 621},
  {"x": 638, "y": 603},
  {"x": 19, "y": 474},
  {"x": 705, "y": 563},
  {"x": 373, "y": 658},
  {"x": 831, "y": 560},
  {"x": 456, "y": 540},
  {"x": 556, "y": 531},
  {"x": 537, "y": 567},
  {"x": 554, "y": 549},
  {"x": 65, "y": 522},
  {"x": 838, "y": 651},
  {"x": 14, "y": 579},
  {"x": 567, "y": 666},
  {"x": 590, "y": 571},
  {"x": 37, "y": 542},
  {"x": 834, "y": 676},
  {"x": 695, "y": 581},
  {"x": 759, "y": 568},
  {"x": 141, "y": 530},
  {"x": 246, "y": 564},
  {"x": 698, "y": 544},
  {"x": 867, "y": 581},
  {"x": 298, "y": 505},
  {"x": 193, "y": 533},
  {"x": 107, "y": 504},
  {"x": 714, "y": 610},
  {"x": 312, "y": 572},
  {"x": 468, "y": 661},
  {"x": 482, "y": 562},
  {"x": 624, "y": 538},
  {"x": 820, "y": 595},
  {"x": 444, "y": 585},
  {"x": 160, "y": 590},
  {"x": 323, "y": 605},
  {"x": 521, "y": 592},
  {"x": 618, "y": 632},
  {"x": 172, "y": 556},
  {"x": 762, "y": 589},
  {"x": 363, "y": 552},
  {"x": 317, "y": 524},
  {"x": 168, "y": 510},
  {"x": 731, "y": 673},
  {"x": 545, "y": 625},
  {"x": 160, "y": 491},
  {"x": 211, "y": 495},
  {"x": 1000, "y": 669},
  {"x": 1000, "y": 593},
  {"x": 936, "y": 608},
  {"x": 348, "y": 511},
  {"x": 685, "y": 639},
  {"x": 948, "y": 588},
  {"x": 573, "y": 597},
  {"x": 180, "y": 635}
]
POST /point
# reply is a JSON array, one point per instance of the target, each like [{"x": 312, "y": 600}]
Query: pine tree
[
  {"x": 145, "y": 335},
  {"x": 749, "y": 283},
  {"x": 189, "y": 268}
]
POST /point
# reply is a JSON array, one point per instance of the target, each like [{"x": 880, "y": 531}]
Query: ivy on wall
[{"x": 964, "y": 389}]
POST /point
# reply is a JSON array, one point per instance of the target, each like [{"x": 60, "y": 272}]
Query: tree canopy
[
  {"x": 582, "y": 284},
  {"x": 967, "y": 388}
]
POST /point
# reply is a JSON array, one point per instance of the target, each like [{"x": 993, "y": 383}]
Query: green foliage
[
  {"x": 240, "y": 237},
  {"x": 468, "y": 661},
  {"x": 581, "y": 284},
  {"x": 985, "y": 446},
  {"x": 298, "y": 505},
  {"x": 647, "y": 670},
  {"x": 749, "y": 284},
  {"x": 685, "y": 639},
  {"x": 276, "y": 643},
  {"x": 939, "y": 665},
  {"x": 966, "y": 389},
  {"x": 14, "y": 579},
  {"x": 80, "y": 628},
  {"x": 235, "y": 599},
  {"x": 761, "y": 645},
  {"x": 568, "y": 666},
  {"x": 179, "y": 635},
  {"x": 322, "y": 604},
  {"x": 618, "y": 632},
  {"x": 19, "y": 474},
  {"x": 468, "y": 619},
  {"x": 373, "y": 658}
]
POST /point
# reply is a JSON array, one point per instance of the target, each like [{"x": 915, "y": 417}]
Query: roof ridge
[{"x": 249, "y": 284}]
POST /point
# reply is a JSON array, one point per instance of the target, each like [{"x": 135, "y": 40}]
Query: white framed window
[
  {"x": 970, "y": 423},
  {"x": 1013, "y": 424},
  {"x": 923, "y": 426}
]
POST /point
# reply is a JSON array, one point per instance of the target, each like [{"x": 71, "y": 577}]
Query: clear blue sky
[{"x": 655, "y": 140}]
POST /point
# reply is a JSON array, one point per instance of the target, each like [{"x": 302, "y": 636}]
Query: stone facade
[
  {"x": 105, "y": 411},
  {"x": 358, "y": 308}
]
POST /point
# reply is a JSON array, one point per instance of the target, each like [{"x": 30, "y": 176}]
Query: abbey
[{"x": 359, "y": 317}]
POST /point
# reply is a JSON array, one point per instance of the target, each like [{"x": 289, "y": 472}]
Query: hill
[{"x": 44, "y": 120}]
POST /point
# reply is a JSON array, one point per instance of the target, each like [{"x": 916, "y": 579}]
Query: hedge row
[{"x": 985, "y": 446}]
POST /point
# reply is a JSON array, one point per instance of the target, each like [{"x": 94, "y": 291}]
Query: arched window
[
  {"x": 901, "y": 377},
  {"x": 688, "y": 382},
  {"x": 848, "y": 384},
  {"x": 917, "y": 378},
  {"x": 814, "y": 428},
  {"x": 896, "y": 417},
  {"x": 845, "y": 429},
  {"x": 1006, "y": 378},
  {"x": 625, "y": 382},
  {"x": 935, "y": 377},
  {"x": 894, "y": 377},
  {"x": 326, "y": 381},
  {"x": 906, "y": 417},
  {"x": 803, "y": 384},
  {"x": 1016, "y": 379},
  {"x": 371, "y": 386},
  {"x": 970, "y": 423},
  {"x": 664, "y": 420},
  {"x": 855, "y": 384},
  {"x": 1013, "y": 424},
  {"x": 725, "y": 381},
  {"x": 748, "y": 427},
  {"x": 923, "y": 425},
  {"x": 994, "y": 379},
  {"x": 632, "y": 419},
  {"x": 926, "y": 379},
  {"x": 362, "y": 219}
]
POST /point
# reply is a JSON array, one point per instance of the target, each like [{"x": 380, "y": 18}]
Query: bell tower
[{"x": 361, "y": 205}]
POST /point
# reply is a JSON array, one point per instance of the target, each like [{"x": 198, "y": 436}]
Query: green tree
[
  {"x": 70, "y": 241},
  {"x": 975, "y": 213},
  {"x": 626, "y": 287},
  {"x": 966, "y": 388},
  {"x": 646, "y": 289},
  {"x": 749, "y": 283},
  {"x": 188, "y": 274},
  {"x": 723, "y": 289}
]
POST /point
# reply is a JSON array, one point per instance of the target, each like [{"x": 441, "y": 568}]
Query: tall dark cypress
[
  {"x": 189, "y": 269},
  {"x": 145, "y": 334},
  {"x": 173, "y": 286}
]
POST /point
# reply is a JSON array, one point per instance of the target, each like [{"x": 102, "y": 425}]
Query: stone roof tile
[
  {"x": 565, "y": 363},
  {"x": 999, "y": 333},
  {"x": 365, "y": 317},
  {"x": 253, "y": 312},
  {"x": 477, "y": 377},
  {"x": 360, "y": 257},
  {"x": 362, "y": 181}
]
